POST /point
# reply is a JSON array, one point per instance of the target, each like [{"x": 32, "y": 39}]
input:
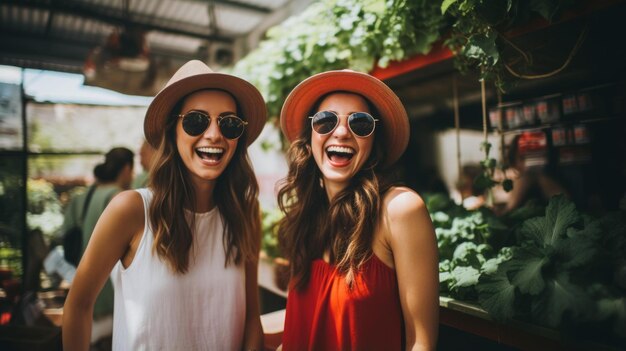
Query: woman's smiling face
[
  {"x": 206, "y": 156},
  {"x": 340, "y": 154}
]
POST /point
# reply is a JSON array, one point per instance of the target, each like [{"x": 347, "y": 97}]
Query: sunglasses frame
[
  {"x": 219, "y": 119},
  {"x": 349, "y": 127}
]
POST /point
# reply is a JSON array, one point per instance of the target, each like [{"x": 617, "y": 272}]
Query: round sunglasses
[
  {"x": 197, "y": 122},
  {"x": 362, "y": 124}
]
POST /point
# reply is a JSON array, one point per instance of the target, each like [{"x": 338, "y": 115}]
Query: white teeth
[
  {"x": 342, "y": 149},
  {"x": 211, "y": 150}
]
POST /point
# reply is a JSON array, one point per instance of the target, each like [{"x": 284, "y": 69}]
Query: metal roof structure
[{"x": 59, "y": 34}]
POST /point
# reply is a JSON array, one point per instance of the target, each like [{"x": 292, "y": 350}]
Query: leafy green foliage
[
  {"x": 562, "y": 267},
  {"x": 463, "y": 239},
  {"x": 11, "y": 258},
  {"x": 339, "y": 34},
  {"x": 269, "y": 241},
  {"x": 44, "y": 208},
  {"x": 497, "y": 291},
  {"x": 557, "y": 258}
]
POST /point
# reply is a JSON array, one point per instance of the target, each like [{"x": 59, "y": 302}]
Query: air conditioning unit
[
  {"x": 217, "y": 55},
  {"x": 123, "y": 63}
]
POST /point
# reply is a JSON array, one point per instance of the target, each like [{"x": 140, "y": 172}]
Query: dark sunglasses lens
[
  {"x": 232, "y": 127},
  {"x": 195, "y": 123},
  {"x": 324, "y": 122},
  {"x": 361, "y": 124}
]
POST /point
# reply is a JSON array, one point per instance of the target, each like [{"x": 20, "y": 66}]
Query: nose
[
  {"x": 342, "y": 130},
  {"x": 213, "y": 132}
]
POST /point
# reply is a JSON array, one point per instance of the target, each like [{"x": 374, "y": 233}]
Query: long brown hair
[
  {"x": 236, "y": 192},
  {"x": 312, "y": 225}
]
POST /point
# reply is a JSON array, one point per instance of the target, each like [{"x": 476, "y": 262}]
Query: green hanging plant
[
  {"x": 338, "y": 34},
  {"x": 476, "y": 35}
]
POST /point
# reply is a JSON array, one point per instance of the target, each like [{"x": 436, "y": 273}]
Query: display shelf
[
  {"x": 471, "y": 318},
  {"x": 564, "y": 123}
]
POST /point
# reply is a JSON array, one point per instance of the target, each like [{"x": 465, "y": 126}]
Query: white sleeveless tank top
[{"x": 203, "y": 309}]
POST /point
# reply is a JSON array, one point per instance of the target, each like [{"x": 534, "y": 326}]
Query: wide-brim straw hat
[
  {"x": 393, "y": 119},
  {"x": 194, "y": 76}
]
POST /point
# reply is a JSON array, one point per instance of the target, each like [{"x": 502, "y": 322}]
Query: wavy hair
[
  {"x": 235, "y": 193},
  {"x": 313, "y": 225}
]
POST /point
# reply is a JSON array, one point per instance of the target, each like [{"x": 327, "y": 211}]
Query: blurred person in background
[
  {"x": 112, "y": 176},
  {"x": 536, "y": 183},
  {"x": 182, "y": 253},
  {"x": 362, "y": 251},
  {"x": 469, "y": 194},
  {"x": 145, "y": 158}
]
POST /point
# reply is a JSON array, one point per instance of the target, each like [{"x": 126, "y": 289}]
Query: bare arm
[
  {"x": 119, "y": 223},
  {"x": 253, "y": 335},
  {"x": 413, "y": 243}
]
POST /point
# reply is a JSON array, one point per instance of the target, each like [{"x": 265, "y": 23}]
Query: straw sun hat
[
  {"x": 193, "y": 76},
  {"x": 394, "y": 122}
]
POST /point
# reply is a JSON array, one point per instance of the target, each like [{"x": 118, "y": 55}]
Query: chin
[
  {"x": 338, "y": 176},
  {"x": 208, "y": 175}
]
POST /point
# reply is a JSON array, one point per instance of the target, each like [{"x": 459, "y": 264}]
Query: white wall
[{"x": 470, "y": 140}]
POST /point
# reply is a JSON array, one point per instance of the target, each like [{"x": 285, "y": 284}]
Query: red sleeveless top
[{"x": 327, "y": 315}]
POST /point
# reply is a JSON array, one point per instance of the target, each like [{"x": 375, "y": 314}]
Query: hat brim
[
  {"x": 248, "y": 99},
  {"x": 393, "y": 117}
]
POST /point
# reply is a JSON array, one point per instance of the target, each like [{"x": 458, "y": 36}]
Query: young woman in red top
[{"x": 363, "y": 252}]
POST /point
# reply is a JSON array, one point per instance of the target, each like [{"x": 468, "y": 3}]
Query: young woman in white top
[{"x": 182, "y": 253}]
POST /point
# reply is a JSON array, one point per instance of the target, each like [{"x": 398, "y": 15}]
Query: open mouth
[
  {"x": 340, "y": 154},
  {"x": 213, "y": 154}
]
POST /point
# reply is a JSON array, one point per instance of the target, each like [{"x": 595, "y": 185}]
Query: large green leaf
[
  {"x": 579, "y": 248},
  {"x": 560, "y": 214},
  {"x": 496, "y": 295},
  {"x": 561, "y": 296},
  {"x": 545, "y": 231},
  {"x": 525, "y": 268}
]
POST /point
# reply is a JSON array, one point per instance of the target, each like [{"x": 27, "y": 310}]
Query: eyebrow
[
  {"x": 207, "y": 112},
  {"x": 347, "y": 114}
]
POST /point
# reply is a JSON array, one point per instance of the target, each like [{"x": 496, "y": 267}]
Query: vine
[{"x": 476, "y": 35}]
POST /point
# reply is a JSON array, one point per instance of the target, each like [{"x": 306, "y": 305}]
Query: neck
[
  {"x": 120, "y": 184},
  {"x": 333, "y": 188},
  {"x": 204, "y": 196}
]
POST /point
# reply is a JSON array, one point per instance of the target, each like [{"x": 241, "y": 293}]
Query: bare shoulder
[
  {"x": 128, "y": 204},
  {"x": 126, "y": 211},
  {"x": 121, "y": 222},
  {"x": 400, "y": 202},
  {"x": 405, "y": 215}
]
